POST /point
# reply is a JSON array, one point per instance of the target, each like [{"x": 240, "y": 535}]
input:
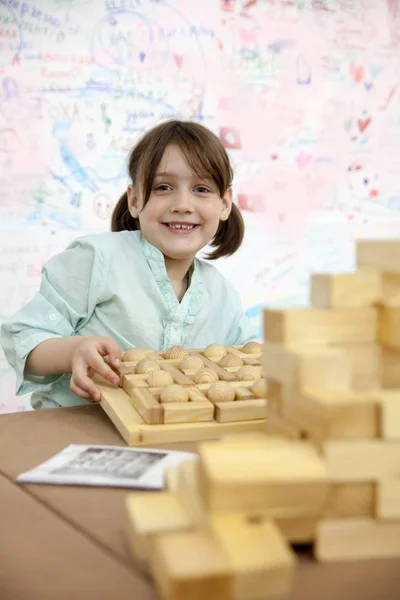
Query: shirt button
[{"x": 52, "y": 317}]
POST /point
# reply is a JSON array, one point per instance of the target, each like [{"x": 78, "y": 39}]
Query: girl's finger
[
  {"x": 84, "y": 383},
  {"x": 98, "y": 365},
  {"x": 113, "y": 351},
  {"x": 81, "y": 393}
]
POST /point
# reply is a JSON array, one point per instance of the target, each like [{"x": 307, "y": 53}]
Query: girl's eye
[
  {"x": 202, "y": 189},
  {"x": 163, "y": 187}
]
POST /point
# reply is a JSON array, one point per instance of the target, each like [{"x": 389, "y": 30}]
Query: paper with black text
[{"x": 114, "y": 466}]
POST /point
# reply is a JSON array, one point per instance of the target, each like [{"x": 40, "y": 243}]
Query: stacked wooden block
[
  {"x": 220, "y": 530},
  {"x": 185, "y": 394},
  {"x": 326, "y": 471},
  {"x": 333, "y": 370}
]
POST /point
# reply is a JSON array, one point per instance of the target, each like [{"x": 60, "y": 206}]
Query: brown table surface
[{"x": 67, "y": 542}]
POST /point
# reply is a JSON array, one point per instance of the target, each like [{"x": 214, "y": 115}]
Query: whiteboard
[{"x": 303, "y": 94}]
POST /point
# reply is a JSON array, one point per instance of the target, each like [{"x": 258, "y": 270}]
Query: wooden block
[
  {"x": 350, "y": 500},
  {"x": 151, "y": 513},
  {"x": 275, "y": 397},
  {"x": 356, "y": 539},
  {"x": 382, "y": 254},
  {"x": 333, "y": 415},
  {"x": 204, "y": 387},
  {"x": 248, "y": 359},
  {"x": 126, "y": 368},
  {"x": 243, "y": 393},
  {"x": 390, "y": 368},
  {"x": 390, "y": 414},
  {"x": 364, "y": 363},
  {"x": 298, "y": 531},
  {"x": 346, "y": 290},
  {"x": 186, "y": 488},
  {"x": 147, "y": 406},
  {"x": 312, "y": 367},
  {"x": 390, "y": 288},
  {"x": 272, "y": 483},
  {"x": 277, "y": 425},
  {"x": 191, "y": 565},
  {"x": 153, "y": 355},
  {"x": 119, "y": 410},
  {"x": 131, "y": 381},
  {"x": 188, "y": 412},
  {"x": 240, "y": 410},
  {"x": 193, "y": 432},
  {"x": 260, "y": 558},
  {"x": 243, "y": 437},
  {"x": 117, "y": 405},
  {"x": 171, "y": 478},
  {"x": 389, "y": 331},
  {"x": 178, "y": 376},
  {"x": 388, "y": 498},
  {"x": 196, "y": 395},
  {"x": 321, "y": 326},
  {"x": 359, "y": 460},
  {"x": 222, "y": 373}
]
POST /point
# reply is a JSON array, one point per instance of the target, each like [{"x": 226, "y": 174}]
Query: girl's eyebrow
[
  {"x": 163, "y": 174},
  {"x": 170, "y": 174}
]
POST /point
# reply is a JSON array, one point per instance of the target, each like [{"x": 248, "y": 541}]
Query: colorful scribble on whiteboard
[{"x": 304, "y": 94}]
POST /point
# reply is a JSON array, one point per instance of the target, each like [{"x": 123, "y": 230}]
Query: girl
[{"x": 139, "y": 285}]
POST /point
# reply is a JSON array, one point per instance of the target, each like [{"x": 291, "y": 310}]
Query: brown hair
[{"x": 206, "y": 156}]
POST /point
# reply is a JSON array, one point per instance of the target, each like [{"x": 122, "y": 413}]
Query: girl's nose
[{"x": 181, "y": 202}]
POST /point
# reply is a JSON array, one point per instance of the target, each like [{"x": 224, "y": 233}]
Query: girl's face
[{"x": 183, "y": 212}]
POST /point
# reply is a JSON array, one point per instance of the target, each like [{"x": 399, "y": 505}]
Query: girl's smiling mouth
[{"x": 181, "y": 227}]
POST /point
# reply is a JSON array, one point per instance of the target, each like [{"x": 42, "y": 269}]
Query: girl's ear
[
  {"x": 133, "y": 202},
  {"x": 226, "y": 205}
]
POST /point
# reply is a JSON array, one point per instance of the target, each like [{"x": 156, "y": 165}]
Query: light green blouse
[{"x": 116, "y": 284}]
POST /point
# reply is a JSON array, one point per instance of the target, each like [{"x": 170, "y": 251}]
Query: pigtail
[
  {"x": 122, "y": 219},
  {"x": 229, "y": 236}
]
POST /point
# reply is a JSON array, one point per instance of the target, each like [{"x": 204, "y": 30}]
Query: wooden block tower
[
  {"x": 334, "y": 379},
  {"x": 327, "y": 469}
]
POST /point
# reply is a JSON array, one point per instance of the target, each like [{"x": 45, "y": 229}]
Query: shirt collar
[{"x": 155, "y": 259}]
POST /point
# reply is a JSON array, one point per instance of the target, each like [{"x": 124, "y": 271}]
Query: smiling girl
[{"x": 139, "y": 285}]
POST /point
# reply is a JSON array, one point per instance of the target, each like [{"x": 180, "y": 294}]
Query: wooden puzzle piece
[
  {"x": 136, "y": 432},
  {"x": 240, "y": 410},
  {"x": 189, "y": 412}
]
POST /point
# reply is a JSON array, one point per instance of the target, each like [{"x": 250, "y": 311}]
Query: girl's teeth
[{"x": 181, "y": 226}]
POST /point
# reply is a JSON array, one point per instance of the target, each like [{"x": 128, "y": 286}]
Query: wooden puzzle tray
[{"x": 186, "y": 395}]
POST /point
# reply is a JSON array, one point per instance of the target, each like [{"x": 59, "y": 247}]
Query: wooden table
[{"x": 69, "y": 542}]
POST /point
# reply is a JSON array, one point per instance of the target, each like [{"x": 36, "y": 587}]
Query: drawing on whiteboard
[{"x": 302, "y": 103}]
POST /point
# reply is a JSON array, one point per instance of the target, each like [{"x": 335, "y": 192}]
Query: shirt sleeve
[{"x": 66, "y": 298}]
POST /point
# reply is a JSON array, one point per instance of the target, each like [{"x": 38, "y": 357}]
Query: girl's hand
[{"x": 87, "y": 359}]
